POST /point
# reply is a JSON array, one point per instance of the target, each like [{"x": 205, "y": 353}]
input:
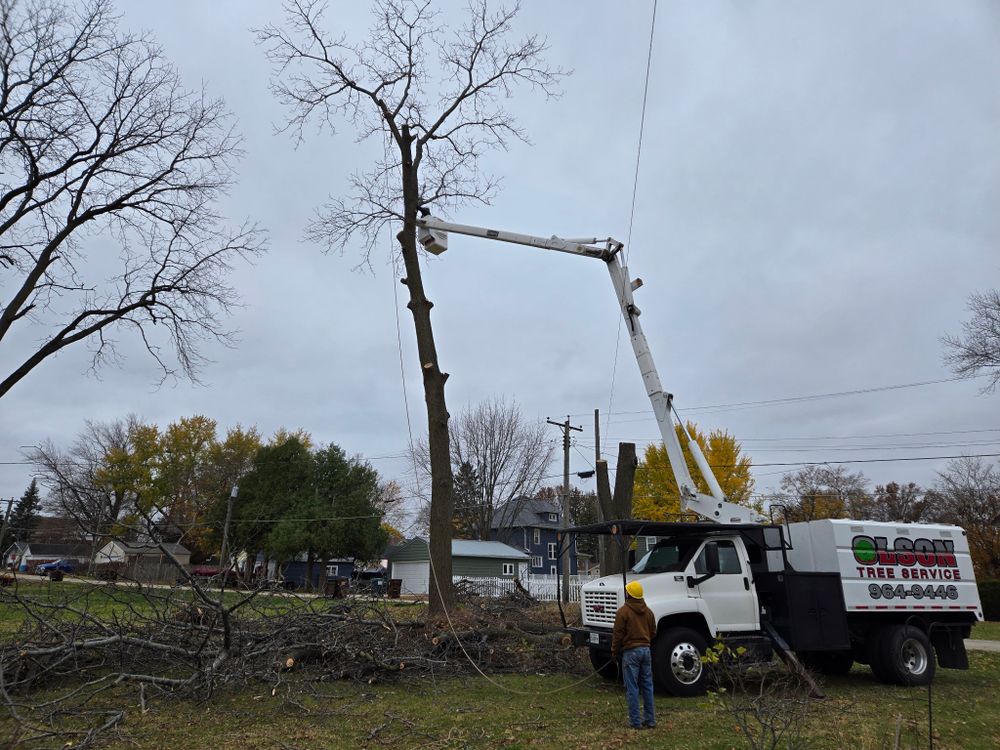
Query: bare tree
[
  {"x": 99, "y": 480},
  {"x": 906, "y": 503},
  {"x": 505, "y": 457},
  {"x": 977, "y": 350},
  {"x": 968, "y": 494},
  {"x": 434, "y": 96},
  {"x": 815, "y": 492},
  {"x": 109, "y": 171}
]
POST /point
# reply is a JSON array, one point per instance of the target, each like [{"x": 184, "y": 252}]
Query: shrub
[{"x": 989, "y": 593}]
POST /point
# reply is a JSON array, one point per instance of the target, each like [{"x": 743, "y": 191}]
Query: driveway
[{"x": 974, "y": 645}]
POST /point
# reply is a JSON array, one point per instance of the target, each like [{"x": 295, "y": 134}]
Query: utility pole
[
  {"x": 225, "y": 534},
  {"x": 602, "y": 541},
  {"x": 565, "y": 427},
  {"x": 597, "y": 434}
]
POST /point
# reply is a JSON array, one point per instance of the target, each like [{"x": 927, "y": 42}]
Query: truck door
[{"x": 729, "y": 595}]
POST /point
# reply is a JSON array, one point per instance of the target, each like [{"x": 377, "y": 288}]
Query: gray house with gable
[
  {"x": 532, "y": 526},
  {"x": 410, "y": 562}
]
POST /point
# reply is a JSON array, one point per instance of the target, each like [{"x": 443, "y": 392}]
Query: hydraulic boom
[{"x": 433, "y": 235}]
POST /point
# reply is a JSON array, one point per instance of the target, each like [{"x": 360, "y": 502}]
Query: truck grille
[{"x": 600, "y": 607}]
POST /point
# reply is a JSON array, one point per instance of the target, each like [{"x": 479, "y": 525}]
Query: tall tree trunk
[{"x": 437, "y": 412}]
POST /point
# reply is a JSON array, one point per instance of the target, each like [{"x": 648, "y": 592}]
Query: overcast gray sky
[{"x": 817, "y": 198}]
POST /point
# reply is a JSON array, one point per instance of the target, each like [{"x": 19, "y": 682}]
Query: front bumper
[{"x": 592, "y": 637}]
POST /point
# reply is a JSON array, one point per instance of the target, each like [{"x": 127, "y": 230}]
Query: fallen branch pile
[{"x": 189, "y": 642}]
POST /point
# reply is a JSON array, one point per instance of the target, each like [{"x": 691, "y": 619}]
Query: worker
[{"x": 633, "y": 633}]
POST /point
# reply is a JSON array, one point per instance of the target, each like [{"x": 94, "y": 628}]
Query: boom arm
[{"x": 434, "y": 238}]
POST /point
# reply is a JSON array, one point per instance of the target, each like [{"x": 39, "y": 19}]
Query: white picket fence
[{"x": 541, "y": 587}]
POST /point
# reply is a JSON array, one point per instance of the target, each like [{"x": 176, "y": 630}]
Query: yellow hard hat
[{"x": 634, "y": 589}]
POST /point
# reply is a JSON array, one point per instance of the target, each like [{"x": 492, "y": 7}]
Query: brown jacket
[{"x": 634, "y": 626}]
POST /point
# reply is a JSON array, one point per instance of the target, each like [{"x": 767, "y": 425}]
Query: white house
[{"x": 122, "y": 553}]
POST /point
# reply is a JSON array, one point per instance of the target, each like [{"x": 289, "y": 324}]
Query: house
[
  {"x": 297, "y": 570},
  {"x": 532, "y": 526},
  {"x": 410, "y": 562},
  {"x": 142, "y": 555},
  {"x": 33, "y": 554},
  {"x": 12, "y": 555}
]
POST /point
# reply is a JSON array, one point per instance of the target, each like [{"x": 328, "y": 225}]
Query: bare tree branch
[
  {"x": 101, "y": 146},
  {"x": 977, "y": 350}
]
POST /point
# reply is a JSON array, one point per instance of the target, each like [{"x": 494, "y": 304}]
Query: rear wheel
[
  {"x": 677, "y": 665},
  {"x": 604, "y": 664},
  {"x": 908, "y": 656}
]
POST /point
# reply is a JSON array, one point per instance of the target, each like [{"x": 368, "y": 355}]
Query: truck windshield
[{"x": 668, "y": 556}]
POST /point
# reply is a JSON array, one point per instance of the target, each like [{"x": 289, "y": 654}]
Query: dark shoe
[
  {"x": 636, "y": 726},
  {"x": 649, "y": 726}
]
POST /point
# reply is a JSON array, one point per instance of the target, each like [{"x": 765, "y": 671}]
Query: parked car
[{"x": 63, "y": 566}]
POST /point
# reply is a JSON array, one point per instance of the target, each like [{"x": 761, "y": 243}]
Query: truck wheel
[
  {"x": 876, "y": 653},
  {"x": 908, "y": 656},
  {"x": 603, "y": 664},
  {"x": 677, "y": 665}
]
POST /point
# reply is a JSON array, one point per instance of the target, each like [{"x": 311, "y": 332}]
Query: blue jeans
[{"x": 637, "y": 666}]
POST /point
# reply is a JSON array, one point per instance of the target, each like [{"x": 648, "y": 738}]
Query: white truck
[{"x": 899, "y": 597}]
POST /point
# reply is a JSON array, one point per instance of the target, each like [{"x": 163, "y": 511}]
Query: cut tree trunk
[{"x": 441, "y": 511}]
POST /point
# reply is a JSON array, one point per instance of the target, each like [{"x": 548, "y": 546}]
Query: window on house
[
  {"x": 552, "y": 570},
  {"x": 538, "y": 536},
  {"x": 552, "y": 550},
  {"x": 553, "y": 517},
  {"x": 331, "y": 571},
  {"x": 536, "y": 561},
  {"x": 508, "y": 569}
]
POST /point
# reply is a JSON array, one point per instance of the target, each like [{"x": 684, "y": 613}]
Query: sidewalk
[{"x": 973, "y": 645}]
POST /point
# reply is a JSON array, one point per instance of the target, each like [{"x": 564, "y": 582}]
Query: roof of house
[
  {"x": 527, "y": 513},
  {"x": 474, "y": 548},
  {"x": 469, "y": 548},
  {"x": 59, "y": 550},
  {"x": 173, "y": 548}
]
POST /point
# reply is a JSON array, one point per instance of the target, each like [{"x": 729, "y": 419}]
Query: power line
[
  {"x": 631, "y": 218},
  {"x": 799, "y": 399}
]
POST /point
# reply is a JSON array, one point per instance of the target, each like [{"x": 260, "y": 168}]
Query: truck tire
[
  {"x": 677, "y": 665},
  {"x": 907, "y": 656},
  {"x": 604, "y": 665},
  {"x": 876, "y": 653}
]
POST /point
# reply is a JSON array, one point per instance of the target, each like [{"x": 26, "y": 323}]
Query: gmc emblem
[{"x": 598, "y": 608}]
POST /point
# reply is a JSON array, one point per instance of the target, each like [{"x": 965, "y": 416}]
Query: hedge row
[{"x": 989, "y": 592}]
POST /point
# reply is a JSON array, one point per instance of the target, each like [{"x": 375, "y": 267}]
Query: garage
[
  {"x": 410, "y": 562},
  {"x": 414, "y": 576}
]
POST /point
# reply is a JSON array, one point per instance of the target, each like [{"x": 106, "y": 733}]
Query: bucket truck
[{"x": 828, "y": 593}]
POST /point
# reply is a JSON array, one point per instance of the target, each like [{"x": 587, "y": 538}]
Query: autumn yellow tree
[{"x": 656, "y": 496}]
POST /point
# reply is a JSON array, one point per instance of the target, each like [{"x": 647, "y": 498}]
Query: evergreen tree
[
  {"x": 24, "y": 517},
  {"x": 468, "y": 493}
]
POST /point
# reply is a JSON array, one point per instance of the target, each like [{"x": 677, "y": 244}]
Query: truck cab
[{"x": 699, "y": 584}]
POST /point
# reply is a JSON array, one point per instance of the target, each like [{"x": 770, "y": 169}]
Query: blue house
[
  {"x": 531, "y": 526},
  {"x": 297, "y": 570}
]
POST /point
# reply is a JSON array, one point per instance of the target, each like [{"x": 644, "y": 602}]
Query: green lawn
[
  {"x": 301, "y": 710},
  {"x": 544, "y": 711},
  {"x": 987, "y": 631},
  {"x": 105, "y": 601}
]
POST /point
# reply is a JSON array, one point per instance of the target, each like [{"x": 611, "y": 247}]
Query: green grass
[
  {"x": 106, "y": 601},
  {"x": 302, "y": 710},
  {"x": 986, "y": 631},
  {"x": 544, "y": 712}
]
